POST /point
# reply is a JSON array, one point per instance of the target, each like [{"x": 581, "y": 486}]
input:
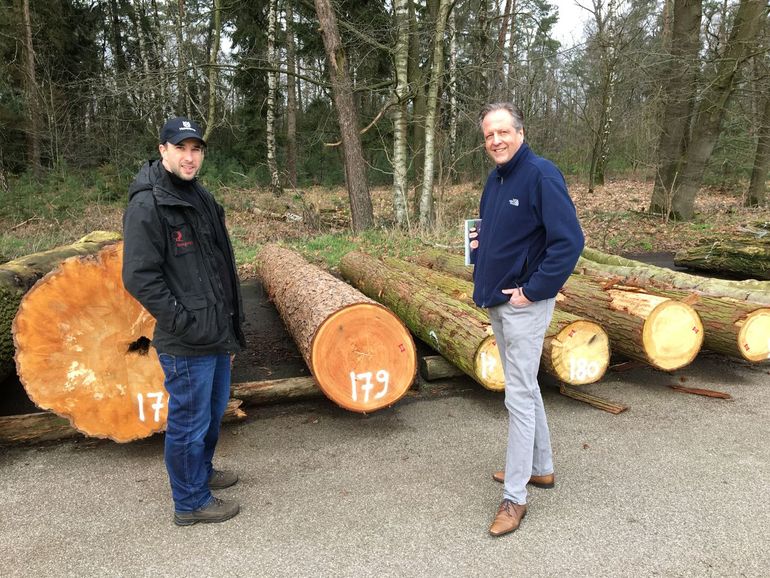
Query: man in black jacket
[{"x": 179, "y": 264}]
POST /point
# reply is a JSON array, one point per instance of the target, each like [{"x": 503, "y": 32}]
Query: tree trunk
[
  {"x": 498, "y": 84},
  {"x": 361, "y": 212},
  {"x": 291, "y": 99},
  {"x": 83, "y": 350},
  {"x": 743, "y": 256},
  {"x": 713, "y": 104},
  {"x": 427, "y": 216},
  {"x": 18, "y": 276},
  {"x": 45, "y": 427},
  {"x": 361, "y": 355},
  {"x": 678, "y": 82},
  {"x": 755, "y": 197},
  {"x": 400, "y": 135},
  {"x": 276, "y": 390},
  {"x": 457, "y": 331},
  {"x": 635, "y": 272},
  {"x": 453, "y": 108},
  {"x": 216, "y": 30},
  {"x": 662, "y": 332},
  {"x": 183, "y": 96},
  {"x": 575, "y": 350},
  {"x": 272, "y": 81},
  {"x": 433, "y": 367},
  {"x": 31, "y": 95}
]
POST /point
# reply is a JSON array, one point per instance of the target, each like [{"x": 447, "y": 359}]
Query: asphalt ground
[{"x": 675, "y": 486}]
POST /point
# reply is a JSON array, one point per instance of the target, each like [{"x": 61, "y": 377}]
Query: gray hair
[{"x": 512, "y": 109}]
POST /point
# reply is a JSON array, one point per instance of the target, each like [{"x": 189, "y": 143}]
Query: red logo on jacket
[{"x": 180, "y": 241}]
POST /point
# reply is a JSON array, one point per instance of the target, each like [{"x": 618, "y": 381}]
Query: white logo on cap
[{"x": 185, "y": 124}]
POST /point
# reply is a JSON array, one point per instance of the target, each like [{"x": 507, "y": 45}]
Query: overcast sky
[{"x": 569, "y": 28}]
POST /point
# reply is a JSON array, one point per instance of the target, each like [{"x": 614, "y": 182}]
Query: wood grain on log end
[
  {"x": 83, "y": 350},
  {"x": 487, "y": 365},
  {"x": 754, "y": 336},
  {"x": 363, "y": 357},
  {"x": 580, "y": 353},
  {"x": 672, "y": 335}
]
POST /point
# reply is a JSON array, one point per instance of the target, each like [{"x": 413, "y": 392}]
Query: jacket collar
[{"x": 507, "y": 168}]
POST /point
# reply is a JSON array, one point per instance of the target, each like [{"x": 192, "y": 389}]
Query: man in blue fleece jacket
[{"x": 526, "y": 247}]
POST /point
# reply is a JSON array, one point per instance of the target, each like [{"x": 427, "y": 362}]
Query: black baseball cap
[{"x": 180, "y": 128}]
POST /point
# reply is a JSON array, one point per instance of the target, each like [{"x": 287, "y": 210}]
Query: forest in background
[{"x": 293, "y": 93}]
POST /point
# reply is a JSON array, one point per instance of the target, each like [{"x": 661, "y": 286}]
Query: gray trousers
[{"x": 519, "y": 332}]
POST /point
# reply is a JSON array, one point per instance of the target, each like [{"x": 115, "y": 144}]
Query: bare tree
[
  {"x": 31, "y": 94},
  {"x": 216, "y": 27},
  {"x": 291, "y": 98},
  {"x": 361, "y": 212},
  {"x": 400, "y": 135},
  {"x": 272, "y": 82}
]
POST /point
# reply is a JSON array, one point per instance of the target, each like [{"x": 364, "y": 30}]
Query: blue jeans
[
  {"x": 519, "y": 332},
  {"x": 198, "y": 389}
]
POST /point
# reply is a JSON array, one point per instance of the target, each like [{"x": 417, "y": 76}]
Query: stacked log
[
  {"x": 575, "y": 350},
  {"x": 457, "y": 331},
  {"x": 743, "y": 256},
  {"x": 19, "y": 275},
  {"x": 660, "y": 331},
  {"x": 361, "y": 355},
  {"x": 737, "y": 328},
  {"x": 83, "y": 350}
]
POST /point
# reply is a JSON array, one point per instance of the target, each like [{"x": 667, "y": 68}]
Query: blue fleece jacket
[{"x": 529, "y": 235}]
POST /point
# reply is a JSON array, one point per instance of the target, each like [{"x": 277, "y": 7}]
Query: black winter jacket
[{"x": 169, "y": 266}]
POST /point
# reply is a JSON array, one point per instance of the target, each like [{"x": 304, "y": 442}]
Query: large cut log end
[
  {"x": 487, "y": 365},
  {"x": 754, "y": 336},
  {"x": 363, "y": 357},
  {"x": 83, "y": 350},
  {"x": 672, "y": 335},
  {"x": 580, "y": 353}
]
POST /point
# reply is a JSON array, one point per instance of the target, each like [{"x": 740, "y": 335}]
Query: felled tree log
[
  {"x": 83, "y": 350},
  {"x": 444, "y": 262},
  {"x": 434, "y": 367},
  {"x": 662, "y": 332},
  {"x": 19, "y": 275},
  {"x": 626, "y": 269},
  {"x": 46, "y": 426},
  {"x": 276, "y": 390},
  {"x": 359, "y": 352},
  {"x": 735, "y": 328},
  {"x": 575, "y": 350},
  {"x": 745, "y": 256},
  {"x": 457, "y": 331}
]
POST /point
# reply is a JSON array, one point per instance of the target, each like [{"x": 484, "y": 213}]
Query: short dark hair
[{"x": 515, "y": 112}]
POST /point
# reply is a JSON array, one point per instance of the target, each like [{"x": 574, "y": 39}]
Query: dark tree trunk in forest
[
  {"x": 678, "y": 82},
  {"x": 713, "y": 104},
  {"x": 30, "y": 86},
  {"x": 756, "y": 193},
  {"x": 291, "y": 100},
  {"x": 355, "y": 167}
]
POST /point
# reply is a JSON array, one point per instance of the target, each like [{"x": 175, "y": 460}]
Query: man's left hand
[{"x": 518, "y": 299}]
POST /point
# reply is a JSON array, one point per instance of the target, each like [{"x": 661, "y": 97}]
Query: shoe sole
[
  {"x": 179, "y": 522},
  {"x": 221, "y": 486}
]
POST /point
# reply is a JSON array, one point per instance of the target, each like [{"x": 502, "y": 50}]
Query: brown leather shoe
[
  {"x": 508, "y": 518},
  {"x": 547, "y": 481}
]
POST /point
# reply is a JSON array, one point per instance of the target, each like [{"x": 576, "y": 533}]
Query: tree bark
[
  {"x": 678, "y": 82},
  {"x": 272, "y": 81},
  {"x": 744, "y": 256},
  {"x": 276, "y": 390},
  {"x": 361, "y": 355},
  {"x": 216, "y": 30},
  {"x": 18, "y": 276},
  {"x": 632, "y": 272},
  {"x": 713, "y": 104},
  {"x": 457, "y": 331},
  {"x": 31, "y": 93},
  {"x": 755, "y": 197},
  {"x": 575, "y": 350},
  {"x": 427, "y": 216},
  {"x": 433, "y": 367},
  {"x": 361, "y": 212},
  {"x": 291, "y": 99},
  {"x": 400, "y": 135},
  {"x": 83, "y": 350},
  {"x": 183, "y": 90}
]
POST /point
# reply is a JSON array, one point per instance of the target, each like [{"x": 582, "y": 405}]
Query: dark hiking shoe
[
  {"x": 221, "y": 479},
  {"x": 215, "y": 511}
]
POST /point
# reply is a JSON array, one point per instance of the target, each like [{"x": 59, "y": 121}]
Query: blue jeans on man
[{"x": 198, "y": 388}]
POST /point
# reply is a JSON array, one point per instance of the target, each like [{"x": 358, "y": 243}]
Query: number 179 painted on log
[{"x": 382, "y": 377}]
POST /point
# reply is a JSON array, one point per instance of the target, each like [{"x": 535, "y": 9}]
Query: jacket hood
[{"x": 145, "y": 179}]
